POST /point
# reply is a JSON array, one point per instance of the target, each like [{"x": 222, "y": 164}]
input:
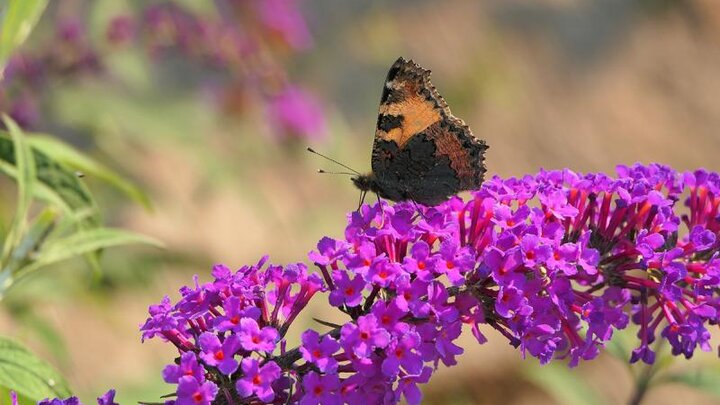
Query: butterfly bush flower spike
[{"x": 555, "y": 263}]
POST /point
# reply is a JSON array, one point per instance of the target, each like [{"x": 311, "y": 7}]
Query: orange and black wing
[{"x": 421, "y": 151}]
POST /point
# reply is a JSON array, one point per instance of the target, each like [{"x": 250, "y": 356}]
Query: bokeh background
[{"x": 209, "y": 106}]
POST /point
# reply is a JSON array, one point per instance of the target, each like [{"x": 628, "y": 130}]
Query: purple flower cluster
[
  {"x": 230, "y": 332},
  {"x": 553, "y": 262},
  {"x": 246, "y": 44},
  {"x": 27, "y": 74},
  {"x": 106, "y": 399}
]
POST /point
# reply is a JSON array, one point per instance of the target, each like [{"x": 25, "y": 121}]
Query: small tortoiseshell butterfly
[{"x": 421, "y": 152}]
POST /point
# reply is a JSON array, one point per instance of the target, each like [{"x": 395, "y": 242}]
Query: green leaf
[
  {"x": 704, "y": 379},
  {"x": 47, "y": 334},
  {"x": 619, "y": 345},
  {"x": 70, "y": 157},
  {"x": 26, "y": 175},
  {"x": 563, "y": 385},
  {"x": 40, "y": 228},
  {"x": 56, "y": 184},
  {"x": 22, "y": 400},
  {"x": 83, "y": 242},
  {"x": 20, "y": 18},
  {"x": 28, "y": 375}
]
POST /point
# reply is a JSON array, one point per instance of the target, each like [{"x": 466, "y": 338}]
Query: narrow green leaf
[
  {"x": 28, "y": 375},
  {"x": 563, "y": 385},
  {"x": 56, "y": 184},
  {"x": 704, "y": 379},
  {"x": 42, "y": 192},
  {"x": 84, "y": 242},
  {"x": 47, "y": 334},
  {"x": 20, "y": 18},
  {"x": 70, "y": 157},
  {"x": 26, "y": 175},
  {"x": 22, "y": 255}
]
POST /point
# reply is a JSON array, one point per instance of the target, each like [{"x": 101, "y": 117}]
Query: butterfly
[{"x": 421, "y": 153}]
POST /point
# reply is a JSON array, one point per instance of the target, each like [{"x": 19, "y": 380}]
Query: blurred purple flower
[
  {"x": 121, "y": 29},
  {"x": 284, "y": 17},
  {"x": 295, "y": 112}
]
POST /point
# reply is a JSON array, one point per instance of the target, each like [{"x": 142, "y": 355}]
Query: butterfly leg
[
  {"x": 362, "y": 199},
  {"x": 382, "y": 211},
  {"x": 417, "y": 208}
]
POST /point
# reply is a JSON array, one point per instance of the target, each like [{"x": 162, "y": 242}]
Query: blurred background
[{"x": 208, "y": 107}]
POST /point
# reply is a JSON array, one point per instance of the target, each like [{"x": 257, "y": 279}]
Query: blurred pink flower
[
  {"x": 284, "y": 17},
  {"x": 121, "y": 29},
  {"x": 296, "y": 112}
]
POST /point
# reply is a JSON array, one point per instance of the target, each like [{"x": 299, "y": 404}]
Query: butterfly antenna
[
  {"x": 321, "y": 171},
  {"x": 311, "y": 150}
]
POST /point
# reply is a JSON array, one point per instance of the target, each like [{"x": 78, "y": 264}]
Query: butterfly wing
[{"x": 421, "y": 151}]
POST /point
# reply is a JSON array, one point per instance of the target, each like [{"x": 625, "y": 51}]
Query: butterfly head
[{"x": 365, "y": 182}]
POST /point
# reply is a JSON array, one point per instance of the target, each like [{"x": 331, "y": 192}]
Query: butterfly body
[{"x": 421, "y": 151}]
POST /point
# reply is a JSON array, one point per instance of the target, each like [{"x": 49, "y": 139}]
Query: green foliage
[
  {"x": 20, "y": 16},
  {"x": 25, "y": 176},
  {"x": 55, "y": 184},
  {"x": 564, "y": 385},
  {"x": 568, "y": 387},
  {"x": 72, "y": 158},
  {"x": 703, "y": 379},
  {"x": 81, "y": 243},
  {"x": 28, "y": 375},
  {"x": 69, "y": 225}
]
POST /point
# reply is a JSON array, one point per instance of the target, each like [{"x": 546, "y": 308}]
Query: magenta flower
[
  {"x": 407, "y": 386},
  {"x": 320, "y": 389},
  {"x": 258, "y": 380},
  {"x": 107, "y": 399},
  {"x": 512, "y": 302},
  {"x": 382, "y": 272},
  {"x": 235, "y": 311},
  {"x": 192, "y": 392},
  {"x": 319, "y": 351},
  {"x": 363, "y": 338},
  {"x": 254, "y": 338},
  {"x": 402, "y": 352},
  {"x": 329, "y": 250},
  {"x": 420, "y": 262},
  {"x": 455, "y": 262},
  {"x": 347, "y": 291},
  {"x": 410, "y": 296},
  {"x": 58, "y": 401},
  {"x": 389, "y": 315},
  {"x": 188, "y": 367},
  {"x": 217, "y": 354}
]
